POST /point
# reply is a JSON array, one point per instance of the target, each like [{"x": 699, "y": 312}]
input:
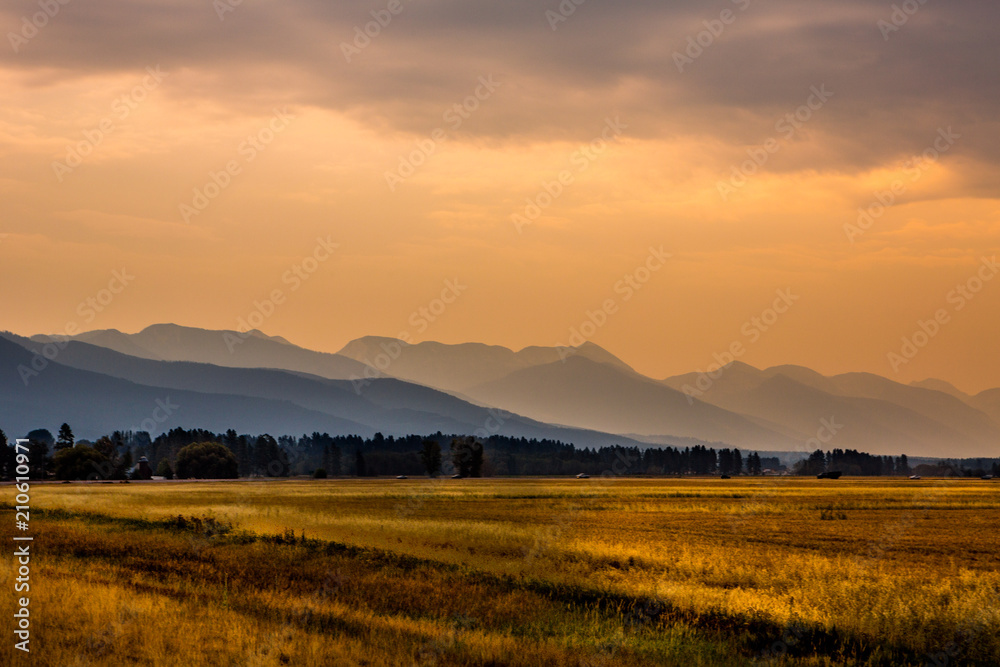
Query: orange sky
[{"x": 114, "y": 114}]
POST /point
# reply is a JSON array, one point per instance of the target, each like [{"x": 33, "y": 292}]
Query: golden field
[{"x": 602, "y": 571}]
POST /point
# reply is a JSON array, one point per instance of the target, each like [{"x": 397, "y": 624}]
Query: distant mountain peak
[
  {"x": 459, "y": 366},
  {"x": 595, "y": 352},
  {"x": 252, "y": 349},
  {"x": 169, "y": 328},
  {"x": 942, "y": 386}
]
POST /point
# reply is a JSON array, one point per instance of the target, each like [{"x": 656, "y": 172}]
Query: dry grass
[{"x": 521, "y": 572}]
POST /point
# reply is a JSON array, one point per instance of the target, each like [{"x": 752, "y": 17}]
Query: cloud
[{"x": 937, "y": 69}]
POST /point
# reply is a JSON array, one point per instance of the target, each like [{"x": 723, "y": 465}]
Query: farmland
[{"x": 514, "y": 571}]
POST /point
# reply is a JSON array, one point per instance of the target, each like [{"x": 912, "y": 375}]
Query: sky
[{"x": 782, "y": 182}]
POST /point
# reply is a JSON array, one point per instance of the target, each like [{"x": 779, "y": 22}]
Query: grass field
[{"x": 513, "y": 572}]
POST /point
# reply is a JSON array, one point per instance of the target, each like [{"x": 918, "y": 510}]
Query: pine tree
[
  {"x": 65, "y": 439},
  {"x": 430, "y": 456}
]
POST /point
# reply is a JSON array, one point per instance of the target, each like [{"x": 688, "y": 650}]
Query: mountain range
[
  {"x": 98, "y": 389},
  {"x": 105, "y": 380}
]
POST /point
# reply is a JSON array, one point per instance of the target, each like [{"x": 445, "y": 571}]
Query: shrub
[
  {"x": 206, "y": 460},
  {"x": 80, "y": 462},
  {"x": 163, "y": 469}
]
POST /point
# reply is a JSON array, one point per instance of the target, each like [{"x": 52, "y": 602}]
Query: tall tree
[
  {"x": 268, "y": 457},
  {"x": 814, "y": 465},
  {"x": 39, "y": 442},
  {"x": 243, "y": 456},
  {"x": 467, "y": 456},
  {"x": 65, "y": 439},
  {"x": 8, "y": 463},
  {"x": 327, "y": 462},
  {"x": 725, "y": 461},
  {"x": 903, "y": 465},
  {"x": 430, "y": 456}
]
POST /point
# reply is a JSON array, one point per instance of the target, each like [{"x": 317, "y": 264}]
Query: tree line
[{"x": 198, "y": 453}]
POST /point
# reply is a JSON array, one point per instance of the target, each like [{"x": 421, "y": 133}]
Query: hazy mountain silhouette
[
  {"x": 989, "y": 402},
  {"x": 986, "y": 401},
  {"x": 600, "y": 396},
  {"x": 878, "y": 414},
  {"x": 575, "y": 394},
  {"x": 171, "y": 342},
  {"x": 96, "y": 404},
  {"x": 458, "y": 367},
  {"x": 942, "y": 386},
  {"x": 84, "y": 375},
  {"x": 111, "y": 339}
]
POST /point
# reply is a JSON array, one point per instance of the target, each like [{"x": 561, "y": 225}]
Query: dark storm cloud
[{"x": 893, "y": 85}]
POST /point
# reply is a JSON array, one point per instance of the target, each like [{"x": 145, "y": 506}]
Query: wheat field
[{"x": 602, "y": 571}]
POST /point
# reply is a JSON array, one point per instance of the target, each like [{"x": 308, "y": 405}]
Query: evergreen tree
[
  {"x": 8, "y": 463},
  {"x": 327, "y": 462},
  {"x": 888, "y": 467},
  {"x": 38, "y": 455},
  {"x": 268, "y": 458},
  {"x": 903, "y": 465},
  {"x": 467, "y": 456},
  {"x": 243, "y": 456},
  {"x": 814, "y": 465},
  {"x": 65, "y": 439},
  {"x": 123, "y": 465},
  {"x": 725, "y": 461},
  {"x": 430, "y": 456}
]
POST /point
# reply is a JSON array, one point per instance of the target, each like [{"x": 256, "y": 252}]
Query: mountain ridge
[{"x": 586, "y": 388}]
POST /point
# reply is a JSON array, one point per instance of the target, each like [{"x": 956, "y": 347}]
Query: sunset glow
[{"x": 210, "y": 150}]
